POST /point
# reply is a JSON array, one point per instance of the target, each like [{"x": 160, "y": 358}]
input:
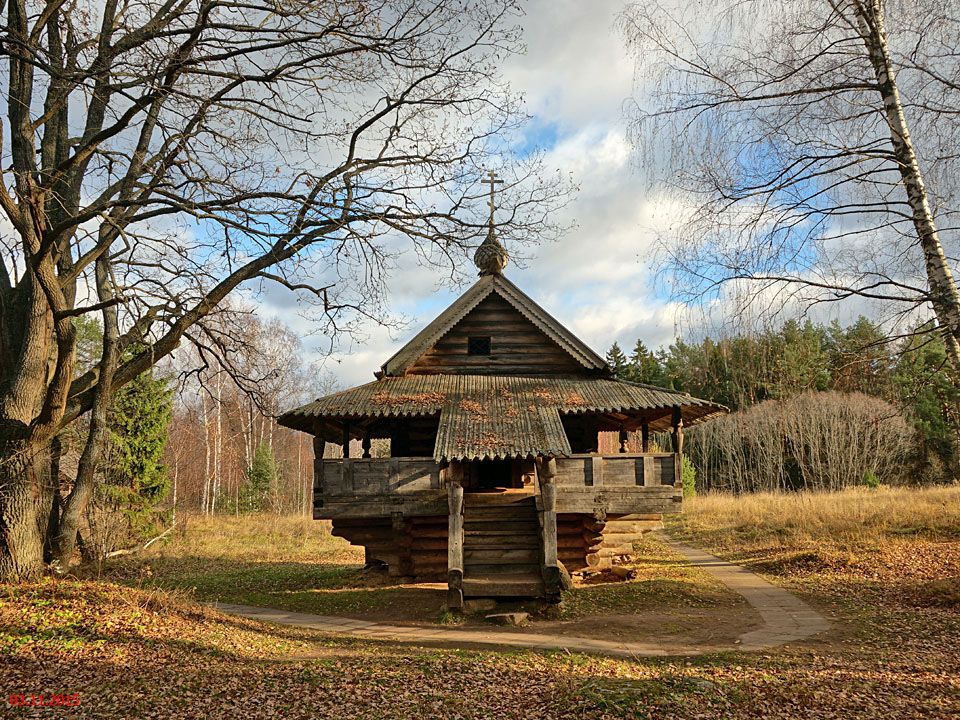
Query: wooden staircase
[{"x": 501, "y": 546}]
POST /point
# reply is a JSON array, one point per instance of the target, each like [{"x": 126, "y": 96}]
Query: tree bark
[
  {"x": 21, "y": 544},
  {"x": 943, "y": 289}
]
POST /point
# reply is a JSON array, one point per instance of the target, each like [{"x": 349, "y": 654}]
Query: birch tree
[
  {"x": 813, "y": 147},
  {"x": 159, "y": 154}
]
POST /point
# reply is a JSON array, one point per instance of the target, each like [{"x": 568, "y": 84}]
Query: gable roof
[{"x": 406, "y": 356}]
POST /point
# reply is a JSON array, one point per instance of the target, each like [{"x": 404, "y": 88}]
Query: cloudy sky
[{"x": 597, "y": 279}]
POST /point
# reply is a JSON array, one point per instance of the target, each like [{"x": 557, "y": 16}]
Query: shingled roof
[{"x": 493, "y": 416}]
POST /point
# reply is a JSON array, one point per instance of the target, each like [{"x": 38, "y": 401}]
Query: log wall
[
  {"x": 397, "y": 508},
  {"x": 517, "y": 346}
]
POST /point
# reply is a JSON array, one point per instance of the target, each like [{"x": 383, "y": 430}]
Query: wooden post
[
  {"x": 346, "y": 439},
  {"x": 623, "y": 440},
  {"x": 645, "y": 435},
  {"x": 677, "y": 422},
  {"x": 365, "y": 444},
  {"x": 548, "y": 527},
  {"x": 455, "y": 537},
  {"x": 318, "y": 446}
]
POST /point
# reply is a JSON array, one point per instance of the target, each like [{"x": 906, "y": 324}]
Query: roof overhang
[{"x": 486, "y": 416}]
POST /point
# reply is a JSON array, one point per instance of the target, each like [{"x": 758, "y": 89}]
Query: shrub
[
  {"x": 870, "y": 479},
  {"x": 688, "y": 474},
  {"x": 814, "y": 441}
]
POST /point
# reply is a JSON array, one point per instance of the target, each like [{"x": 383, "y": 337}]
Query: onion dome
[{"x": 491, "y": 257}]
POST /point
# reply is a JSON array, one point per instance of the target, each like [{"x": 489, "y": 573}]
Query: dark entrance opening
[{"x": 491, "y": 475}]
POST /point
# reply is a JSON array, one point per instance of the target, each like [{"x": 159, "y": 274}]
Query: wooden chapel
[{"x": 494, "y": 480}]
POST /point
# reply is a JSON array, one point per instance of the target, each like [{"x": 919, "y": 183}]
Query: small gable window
[{"x": 478, "y": 345}]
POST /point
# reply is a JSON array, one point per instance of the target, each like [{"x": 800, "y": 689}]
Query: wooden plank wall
[
  {"x": 379, "y": 476},
  {"x": 624, "y": 470},
  {"x": 517, "y": 345}
]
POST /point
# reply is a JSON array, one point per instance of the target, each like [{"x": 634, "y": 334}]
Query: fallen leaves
[{"x": 140, "y": 652}]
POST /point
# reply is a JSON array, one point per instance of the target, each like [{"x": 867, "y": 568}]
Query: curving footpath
[{"x": 786, "y": 618}]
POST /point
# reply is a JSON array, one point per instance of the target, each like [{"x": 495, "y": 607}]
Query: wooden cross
[{"x": 492, "y": 181}]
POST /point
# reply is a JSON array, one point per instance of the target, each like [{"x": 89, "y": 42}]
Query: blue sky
[{"x": 597, "y": 279}]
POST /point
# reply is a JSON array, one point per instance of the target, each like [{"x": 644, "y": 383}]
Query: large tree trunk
[
  {"x": 943, "y": 289},
  {"x": 21, "y": 484},
  {"x": 26, "y": 325}
]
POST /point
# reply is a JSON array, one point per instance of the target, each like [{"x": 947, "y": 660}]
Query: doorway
[{"x": 491, "y": 476}]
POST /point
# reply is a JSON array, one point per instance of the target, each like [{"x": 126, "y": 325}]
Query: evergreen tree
[
  {"x": 618, "y": 362},
  {"x": 645, "y": 366},
  {"x": 801, "y": 360},
  {"x": 89, "y": 342},
  {"x": 261, "y": 477},
  {"x": 860, "y": 358},
  {"x": 139, "y": 424},
  {"x": 926, "y": 389}
]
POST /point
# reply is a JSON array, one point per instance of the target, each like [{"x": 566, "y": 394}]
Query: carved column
[
  {"x": 365, "y": 444},
  {"x": 317, "y": 498},
  {"x": 623, "y": 440},
  {"x": 547, "y": 472},
  {"x": 345, "y": 441},
  {"x": 645, "y": 435},
  {"x": 455, "y": 536},
  {"x": 677, "y": 436}
]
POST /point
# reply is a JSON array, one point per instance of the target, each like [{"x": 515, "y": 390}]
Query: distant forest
[{"x": 814, "y": 406}]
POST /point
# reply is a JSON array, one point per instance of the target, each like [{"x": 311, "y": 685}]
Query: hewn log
[
  {"x": 552, "y": 576},
  {"x": 424, "y": 543},
  {"x": 620, "y": 539},
  {"x": 454, "y": 542}
]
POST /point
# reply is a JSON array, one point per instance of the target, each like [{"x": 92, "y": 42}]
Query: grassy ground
[
  {"x": 295, "y": 564},
  {"x": 132, "y": 645}
]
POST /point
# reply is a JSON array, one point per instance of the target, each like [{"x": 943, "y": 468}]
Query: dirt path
[{"x": 785, "y": 617}]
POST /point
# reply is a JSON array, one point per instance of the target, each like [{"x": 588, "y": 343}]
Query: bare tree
[
  {"x": 185, "y": 147},
  {"x": 814, "y": 147}
]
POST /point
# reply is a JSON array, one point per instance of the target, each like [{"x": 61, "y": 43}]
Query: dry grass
[
  {"x": 854, "y": 516},
  {"x": 296, "y": 564},
  {"x": 259, "y": 538},
  {"x": 900, "y": 546}
]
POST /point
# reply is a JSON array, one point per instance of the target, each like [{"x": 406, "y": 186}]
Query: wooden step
[
  {"x": 497, "y": 511},
  {"x": 474, "y": 569},
  {"x": 515, "y": 526},
  {"x": 520, "y": 584},
  {"x": 522, "y": 499},
  {"x": 500, "y": 543},
  {"x": 491, "y": 530},
  {"x": 511, "y": 556}
]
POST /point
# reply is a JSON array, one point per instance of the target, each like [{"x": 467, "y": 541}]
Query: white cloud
[{"x": 596, "y": 280}]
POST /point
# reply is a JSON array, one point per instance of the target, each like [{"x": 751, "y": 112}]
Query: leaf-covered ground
[
  {"x": 132, "y": 651},
  {"x": 297, "y": 565}
]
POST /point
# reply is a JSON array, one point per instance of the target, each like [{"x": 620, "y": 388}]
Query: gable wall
[{"x": 517, "y": 346}]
